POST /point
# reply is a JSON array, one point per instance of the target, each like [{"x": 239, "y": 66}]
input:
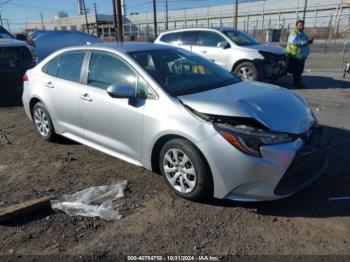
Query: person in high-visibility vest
[{"x": 298, "y": 50}]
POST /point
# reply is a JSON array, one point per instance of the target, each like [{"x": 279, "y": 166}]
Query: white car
[{"x": 234, "y": 50}]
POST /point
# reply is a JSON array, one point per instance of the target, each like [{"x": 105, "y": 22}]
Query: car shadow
[
  {"x": 24, "y": 220},
  {"x": 316, "y": 200},
  {"x": 10, "y": 99},
  {"x": 315, "y": 82}
]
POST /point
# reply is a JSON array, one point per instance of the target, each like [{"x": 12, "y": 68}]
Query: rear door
[
  {"x": 61, "y": 85},
  {"x": 208, "y": 47}
]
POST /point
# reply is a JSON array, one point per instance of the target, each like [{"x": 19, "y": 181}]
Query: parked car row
[
  {"x": 16, "y": 57},
  {"x": 19, "y": 53},
  {"x": 174, "y": 112}
]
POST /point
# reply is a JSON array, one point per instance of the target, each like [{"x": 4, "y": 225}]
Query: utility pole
[
  {"x": 42, "y": 21},
  {"x": 155, "y": 18},
  {"x": 166, "y": 15},
  {"x": 86, "y": 19},
  {"x": 95, "y": 8},
  {"x": 236, "y": 15},
  {"x": 305, "y": 8},
  {"x": 115, "y": 20},
  {"x": 119, "y": 21},
  {"x": 263, "y": 16},
  {"x": 1, "y": 19},
  {"x": 8, "y": 25}
]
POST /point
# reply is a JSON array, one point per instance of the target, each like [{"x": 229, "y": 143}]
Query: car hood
[
  {"x": 277, "y": 50},
  {"x": 276, "y": 108}
]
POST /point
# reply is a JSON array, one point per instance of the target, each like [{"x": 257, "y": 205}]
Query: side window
[
  {"x": 189, "y": 37},
  {"x": 51, "y": 67},
  {"x": 70, "y": 66},
  {"x": 207, "y": 38},
  {"x": 106, "y": 69},
  {"x": 170, "y": 38}
]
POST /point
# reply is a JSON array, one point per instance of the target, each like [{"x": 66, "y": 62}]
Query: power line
[
  {"x": 6, "y": 2},
  {"x": 40, "y": 7}
]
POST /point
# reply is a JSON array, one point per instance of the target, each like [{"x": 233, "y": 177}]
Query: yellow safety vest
[{"x": 293, "y": 50}]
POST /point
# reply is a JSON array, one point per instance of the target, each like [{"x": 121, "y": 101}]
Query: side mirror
[
  {"x": 224, "y": 45},
  {"x": 122, "y": 91}
]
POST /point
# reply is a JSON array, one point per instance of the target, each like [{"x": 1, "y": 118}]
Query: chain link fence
[{"x": 331, "y": 31}]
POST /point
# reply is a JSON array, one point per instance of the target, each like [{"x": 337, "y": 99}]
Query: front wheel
[
  {"x": 247, "y": 71},
  {"x": 185, "y": 170}
]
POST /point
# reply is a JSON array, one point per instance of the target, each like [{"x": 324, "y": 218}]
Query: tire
[
  {"x": 43, "y": 122},
  {"x": 191, "y": 179},
  {"x": 247, "y": 71}
]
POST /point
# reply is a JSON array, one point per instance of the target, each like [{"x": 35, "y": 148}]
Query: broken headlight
[{"x": 249, "y": 139}]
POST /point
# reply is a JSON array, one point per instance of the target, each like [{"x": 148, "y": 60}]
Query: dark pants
[{"x": 296, "y": 67}]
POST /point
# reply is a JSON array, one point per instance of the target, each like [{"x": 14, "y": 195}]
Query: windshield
[
  {"x": 240, "y": 38},
  {"x": 180, "y": 72}
]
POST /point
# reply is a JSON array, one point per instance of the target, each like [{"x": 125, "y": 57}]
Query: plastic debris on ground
[{"x": 92, "y": 202}]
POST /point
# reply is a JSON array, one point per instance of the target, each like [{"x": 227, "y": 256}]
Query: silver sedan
[{"x": 176, "y": 113}]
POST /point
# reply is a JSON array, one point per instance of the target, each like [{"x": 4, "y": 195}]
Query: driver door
[{"x": 112, "y": 123}]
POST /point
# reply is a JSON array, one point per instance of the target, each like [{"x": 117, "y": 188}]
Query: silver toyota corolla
[{"x": 174, "y": 112}]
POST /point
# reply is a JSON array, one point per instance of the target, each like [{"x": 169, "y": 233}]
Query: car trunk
[{"x": 14, "y": 61}]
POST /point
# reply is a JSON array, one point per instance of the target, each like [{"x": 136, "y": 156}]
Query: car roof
[
  {"x": 190, "y": 29},
  {"x": 127, "y": 47},
  {"x": 201, "y": 29}
]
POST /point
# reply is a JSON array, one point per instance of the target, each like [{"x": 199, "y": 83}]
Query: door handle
[
  {"x": 203, "y": 51},
  {"x": 49, "y": 85},
  {"x": 86, "y": 97}
]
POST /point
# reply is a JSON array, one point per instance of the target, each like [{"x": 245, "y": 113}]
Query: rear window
[
  {"x": 51, "y": 67},
  {"x": 70, "y": 66},
  {"x": 170, "y": 38},
  {"x": 14, "y": 58}
]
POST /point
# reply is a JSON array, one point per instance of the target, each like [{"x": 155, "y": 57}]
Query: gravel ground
[{"x": 155, "y": 221}]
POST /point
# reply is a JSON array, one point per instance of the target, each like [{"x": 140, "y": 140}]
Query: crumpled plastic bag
[{"x": 92, "y": 202}]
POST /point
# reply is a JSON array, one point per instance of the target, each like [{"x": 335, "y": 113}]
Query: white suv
[{"x": 234, "y": 50}]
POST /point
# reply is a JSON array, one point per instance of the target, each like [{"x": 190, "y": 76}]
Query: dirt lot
[{"x": 155, "y": 221}]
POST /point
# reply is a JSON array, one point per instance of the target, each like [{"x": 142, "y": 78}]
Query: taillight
[{"x": 24, "y": 78}]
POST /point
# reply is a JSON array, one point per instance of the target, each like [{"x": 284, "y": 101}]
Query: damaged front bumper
[
  {"x": 309, "y": 164},
  {"x": 272, "y": 68},
  {"x": 282, "y": 170}
]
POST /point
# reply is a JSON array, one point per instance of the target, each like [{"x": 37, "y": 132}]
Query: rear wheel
[
  {"x": 43, "y": 123},
  {"x": 247, "y": 71},
  {"x": 185, "y": 170}
]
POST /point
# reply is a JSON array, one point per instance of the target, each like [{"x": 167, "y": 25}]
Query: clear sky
[{"x": 19, "y": 11}]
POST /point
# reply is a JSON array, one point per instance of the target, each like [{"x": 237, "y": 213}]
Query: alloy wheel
[
  {"x": 179, "y": 170},
  {"x": 41, "y": 122},
  {"x": 246, "y": 73}
]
